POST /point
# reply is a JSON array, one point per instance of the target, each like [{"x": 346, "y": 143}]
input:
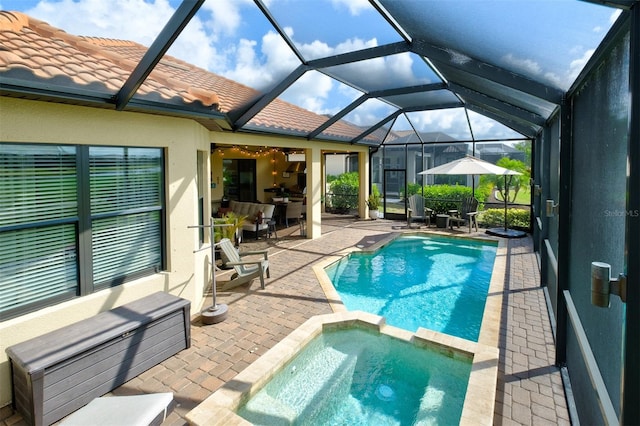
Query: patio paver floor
[{"x": 529, "y": 389}]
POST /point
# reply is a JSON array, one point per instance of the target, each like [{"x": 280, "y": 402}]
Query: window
[
  {"x": 201, "y": 183},
  {"x": 76, "y": 219}
]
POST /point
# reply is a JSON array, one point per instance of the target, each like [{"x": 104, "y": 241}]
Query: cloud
[
  {"x": 113, "y": 19},
  {"x": 529, "y": 66},
  {"x": 614, "y": 15},
  {"x": 354, "y": 6},
  {"x": 226, "y": 17},
  {"x": 311, "y": 92},
  {"x": 262, "y": 71},
  {"x": 109, "y": 19},
  {"x": 578, "y": 64},
  {"x": 369, "y": 113},
  {"x": 452, "y": 122}
]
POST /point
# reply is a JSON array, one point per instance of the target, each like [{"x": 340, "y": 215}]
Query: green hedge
[
  {"x": 495, "y": 217},
  {"x": 345, "y": 190},
  {"x": 442, "y": 198}
]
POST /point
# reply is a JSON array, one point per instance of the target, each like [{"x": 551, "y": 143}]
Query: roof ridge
[{"x": 104, "y": 41}]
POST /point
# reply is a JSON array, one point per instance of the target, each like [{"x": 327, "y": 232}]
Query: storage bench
[{"x": 59, "y": 372}]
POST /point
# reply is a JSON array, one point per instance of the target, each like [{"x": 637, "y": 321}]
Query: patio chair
[
  {"x": 245, "y": 270},
  {"x": 468, "y": 214},
  {"x": 417, "y": 211},
  {"x": 294, "y": 211}
]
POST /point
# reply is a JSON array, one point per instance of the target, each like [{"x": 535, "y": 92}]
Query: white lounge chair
[{"x": 245, "y": 270}]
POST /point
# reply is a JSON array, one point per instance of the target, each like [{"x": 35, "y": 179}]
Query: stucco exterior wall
[{"x": 186, "y": 272}]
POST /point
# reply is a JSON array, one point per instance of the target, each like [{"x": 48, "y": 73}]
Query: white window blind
[
  {"x": 38, "y": 222},
  {"x": 51, "y": 201},
  {"x": 126, "y": 201}
]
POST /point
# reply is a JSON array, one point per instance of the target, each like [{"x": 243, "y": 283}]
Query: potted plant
[
  {"x": 374, "y": 202},
  {"x": 234, "y": 223}
]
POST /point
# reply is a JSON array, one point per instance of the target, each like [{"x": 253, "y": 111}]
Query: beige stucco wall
[{"x": 187, "y": 272}]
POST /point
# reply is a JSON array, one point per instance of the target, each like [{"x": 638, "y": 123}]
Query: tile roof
[{"x": 35, "y": 51}]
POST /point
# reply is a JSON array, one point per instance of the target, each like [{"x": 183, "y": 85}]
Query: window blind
[
  {"x": 125, "y": 241},
  {"x": 124, "y": 245},
  {"x": 38, "y": 183},
  {"x": 38, "y": 260}
]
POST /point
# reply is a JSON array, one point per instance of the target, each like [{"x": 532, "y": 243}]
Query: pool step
[
  {"x": 263, "y": 409},
  {"x": 306, "y": 391}
]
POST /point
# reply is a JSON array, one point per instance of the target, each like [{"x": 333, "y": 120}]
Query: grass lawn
[{"x": 524, "y": 196}]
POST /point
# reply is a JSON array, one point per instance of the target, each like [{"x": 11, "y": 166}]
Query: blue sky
[{"x": 232, "y": 38}]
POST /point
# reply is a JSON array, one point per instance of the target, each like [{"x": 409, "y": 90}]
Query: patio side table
[{"x": 442, "y": 220}]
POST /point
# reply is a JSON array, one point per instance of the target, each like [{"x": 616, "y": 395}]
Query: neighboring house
[
  {"x": 494, "y": 151},
  {"x": 96, "y": 204},
  {"x": 337, "y": 164},
  {"x": 442, "y": 149}
]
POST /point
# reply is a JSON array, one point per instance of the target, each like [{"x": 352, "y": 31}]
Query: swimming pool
[
  {"x": 420, "y": 280},
  {"x": 393, "y": 377}
]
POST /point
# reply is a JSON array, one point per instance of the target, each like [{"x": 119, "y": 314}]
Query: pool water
[
  {"x": 433, "y": 282},
  {"x": 359, "y": 377}
]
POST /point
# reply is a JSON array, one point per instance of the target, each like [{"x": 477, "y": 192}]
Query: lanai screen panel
[
  {"x": 388, "y": 72},
  {"x": 503, "y": 93},
  {"x": 599, "y": 179},
  {"x": 514, "y": 35},
  {"x": 430, "y": 99}
]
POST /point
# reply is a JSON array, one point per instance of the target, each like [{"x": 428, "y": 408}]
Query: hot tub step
[
  {"x": 303, "y": 388},
  {"x": 267, "y": 410}
]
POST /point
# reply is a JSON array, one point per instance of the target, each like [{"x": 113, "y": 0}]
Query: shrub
[
  {"x": 442, "y": 198},
  {"x": 495, "y": 217},
  {"x": 345, "y": 189},
  {"x": 413, "y": 188},
  {"x": 484, "y": 191}
]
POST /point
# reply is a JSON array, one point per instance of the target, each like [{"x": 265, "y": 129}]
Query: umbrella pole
[{"x": 506, "y": 198}]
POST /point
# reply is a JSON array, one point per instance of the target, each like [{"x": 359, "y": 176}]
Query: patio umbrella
[{"x": 470, "y": 165}]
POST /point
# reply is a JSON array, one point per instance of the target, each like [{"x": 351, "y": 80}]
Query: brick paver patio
[{"x": 529, "y": 389}]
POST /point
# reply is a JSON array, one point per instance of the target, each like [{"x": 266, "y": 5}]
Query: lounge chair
[
  {"x": 245, "y": 270},
  {"x": 468, "y": 214},
  {"x": 417, "y": 211}
]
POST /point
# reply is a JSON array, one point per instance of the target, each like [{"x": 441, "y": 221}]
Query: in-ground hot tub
[{"x": 351, "y": 367}]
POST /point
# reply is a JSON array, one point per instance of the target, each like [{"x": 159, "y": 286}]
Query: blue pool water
[
  {"x": 433, "y": 282},
  {"x": 358, "y": 377}
]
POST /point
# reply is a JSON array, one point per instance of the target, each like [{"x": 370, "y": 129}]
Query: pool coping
[{"x": 220, "y": 407}]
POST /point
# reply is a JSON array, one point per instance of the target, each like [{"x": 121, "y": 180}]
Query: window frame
[{"x": 84, "y": 227}]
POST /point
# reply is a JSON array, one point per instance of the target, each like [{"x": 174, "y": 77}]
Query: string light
[{"x": 247, "y": 152}]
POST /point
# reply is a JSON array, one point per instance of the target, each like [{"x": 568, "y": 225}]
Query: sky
[{"x": 234, "y": 39}]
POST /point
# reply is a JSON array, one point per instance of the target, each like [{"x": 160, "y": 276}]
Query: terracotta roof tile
[
  {"x": 47, "y": 52},
  {"x": 14, "y": 21}
]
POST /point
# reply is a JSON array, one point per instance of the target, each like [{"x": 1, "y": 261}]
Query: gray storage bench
[{"x": 59, "y": 372}]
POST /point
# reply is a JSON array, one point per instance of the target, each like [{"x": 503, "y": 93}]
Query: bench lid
[{"x": 50, "y": 348}]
